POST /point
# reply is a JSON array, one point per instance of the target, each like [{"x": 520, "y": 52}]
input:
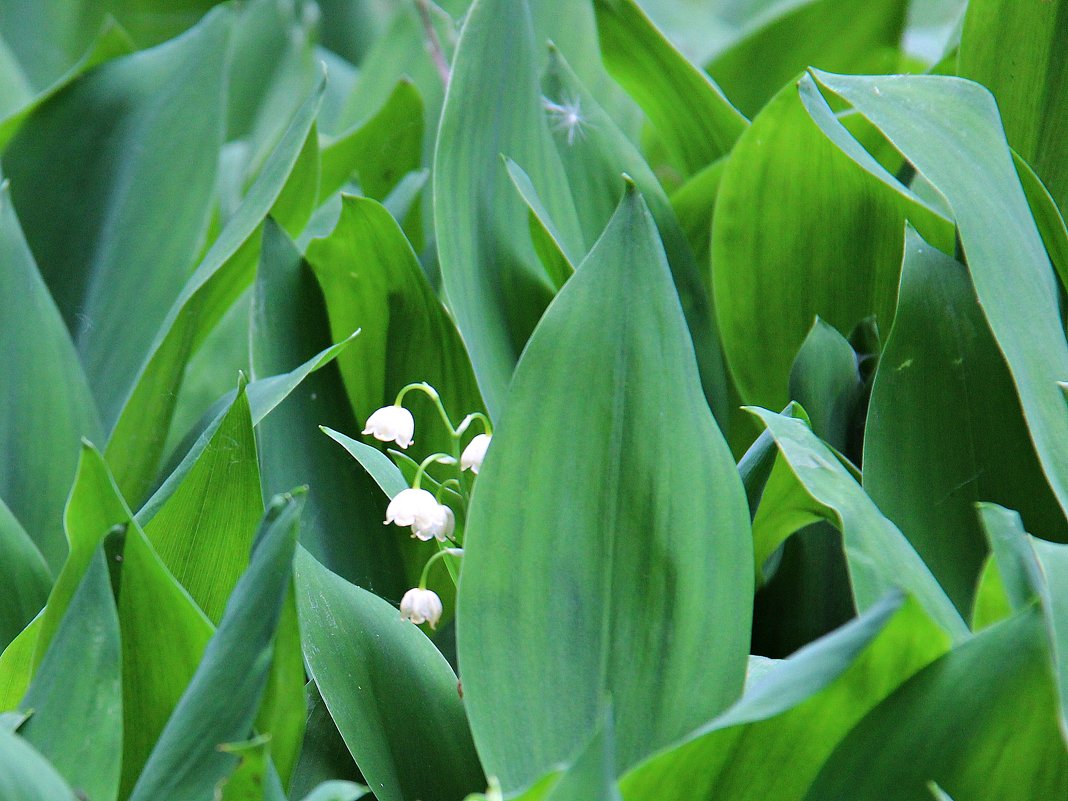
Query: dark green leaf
[
  {"x": 594, "y": 551},
  {"x": 221, "y": 702},
  {"x": 115, "y": 244},
  {"x": 879, "y": 556},
  {"x": 392, "y": 695},
  {"x": 997, "y": 688},
  {"x": 78, "y": 689},
  {"x": 496, "y": 286}
]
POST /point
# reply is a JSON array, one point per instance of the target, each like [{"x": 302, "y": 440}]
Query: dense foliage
[{"x": 706, "y": 362}]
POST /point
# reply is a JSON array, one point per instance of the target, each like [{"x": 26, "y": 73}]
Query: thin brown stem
[{"x": 437, "y": 54}]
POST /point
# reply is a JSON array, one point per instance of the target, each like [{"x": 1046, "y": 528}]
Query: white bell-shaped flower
[
  {"x": 391, "y": 424},
  {"x": 438, "y": 524},
  {"x": 474, "y": 453},
  {"x": 411, "y": 505},
  {"x": 421, "y": 606}
]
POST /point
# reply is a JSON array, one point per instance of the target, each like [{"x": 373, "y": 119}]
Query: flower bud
[
  {"x": 474, "y": 453},
  {"x": 421, "y": 606},
  {"x": 391, "y": 424}
]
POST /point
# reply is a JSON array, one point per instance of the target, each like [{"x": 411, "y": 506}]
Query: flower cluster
[{"x": 429, "y": 514}]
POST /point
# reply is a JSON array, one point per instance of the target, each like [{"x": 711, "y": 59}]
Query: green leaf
[
  {"x": 407, "y": 336},
  {"x": 624, "y": 529},
  {"x": 24, "y": 576},
  {"x": 391, "y": 693},
  {"x": 220, "y": 703},
  {"x": 204, "y": 531},
  {"x": 1047, "y": 216},
  {"x": 592, "y": 776},
  {"x": 594, "y": 162},
  {"x": 997, "y": 688},
  {"x": 771, "y": 275},
  {"x": 387, "y": 475},
  {"x": 943, "y": 408},
  {"x": 879, "y": 556},
  {"x": 1011, "y": 273},
  {"x": 1017, "y": 52},
  {"x": 1052, "y": 561},
  {"x": 246, "y": 783},
  {"x": 44, "y": 395},
  {"x": 25, "y": 775},
  {"x": 111, "y": 42},
  {"x": 837, "y": 35},
  {"x": 343, "y": 514},
  {"x": 136, "y": 444},
  {"x": 494, "y": 281},
  {"x": 381, "y": 150},
  {"x": 556, "y": 256},
  {"x": 693, "y": 117},
  {"x": 16, "y": 664},
  {"x": 95, "y": 508},
  {"x": 158, "y": 616},
  {"x": 115, "y": 245},
  {"x": 825, "y": 380},
  {"x": 78, "y": 689},
  {"x": 794, "y": 715}
]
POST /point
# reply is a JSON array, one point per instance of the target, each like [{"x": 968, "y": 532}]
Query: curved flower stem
[
  {"x": 487, "y": 426},
  {"x": 441, "y": 458},
  {"x": 431, "y": 393},
  {"x": 429, "y": 562}
]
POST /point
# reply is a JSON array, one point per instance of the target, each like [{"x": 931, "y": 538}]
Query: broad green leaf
[
  {"x": 392, "y": 695},
  {"x": 805, "y": 590},
  {"x": 557, "y": 257},
  {"x": 136, "y": 444},
  {"x": 1016, "y": 50},
  {"x": 696, "y": 121},
  {"x": 825, "y": 380},
  {"x": 836, "y": 35},
  {"x": 1053, "y": 563},
  {"x": 16, "y": 664},
  {"x": 115, "y": 244},
  {"x": 381, "y": 150},
  {"x": 1017, "y": 569},
  {"x": 44, "y": 397},
  {"x": 78, "y": 689},
  {"x": 158, "y": 617},
  {"x": 494, "y": 282},
  {"x": 995, "y": 687},
  {"x": 220, "y": 703},
  {"x": 878, "y": 555},
  {"x": 43, "y": 40},
  {"x": 694, "y": 204},
  {"x": 1047, "y": 216},
  {"x": 25, "y": 775},
  {"x": 1010, "y": 271},
  {"x": 387, "y": 475},
  {"x": 592, "y": 776},
  {"x": 95, "y": 508},
  {"x": 153, "y": 21},
  {"x": 204, "y": 531},
  {"x": 771, "y": 274},
  {"x": 945, "y": 429},
  {"x": 342, "y": 521},
  {"x": 635, "y": 526},
  {"x": 247, "y": 781},
  {"x": 23, "y": 575},
  {"x": 772, "y": 743},
  {"x": 407, "y": 336},
  {"x": 323, "y": 755},
  {"x": 595, "y": 160},
  {"x": 111, "y": 42}
]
